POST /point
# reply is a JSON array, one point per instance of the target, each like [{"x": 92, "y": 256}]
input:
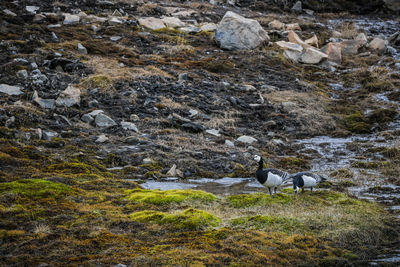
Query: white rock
[
  {"x": 147, "y": 161},
  {"x": 103, "y": 120},
  {"x": 10, "y": 89},
  {"x": 290, "y": 46},
  {"x": 87, "y": 118},
  {"x": 246, "y": 139},
  {"x": 193, "y": 113},
  {"x": 236, "y": 32},
  {"x": 96, "y": 112},
  {"x": 209, "y": 27},
  {"x": 292, "y": 55},
  {"x": 134, "y": 117},
  {"x": 297, "y": 7},
  {"x": 152, "y": 23},
  {"x": 312, "y": 41},
  {"x": 229, "y": 143},
  {"x": 184, "y": 13},
  {"x": 101, "y": 138},
  {"x": 48, "y": 135},
  {"x": 126, "y": 125},
  {"x": 82, "y": 49},
  {"x": 23, "y": 74},
  {"x": 312, "y": 56},
  {"x": 52, "y": 26},
  {"x": 362, "y": 38},
  {"x": 115, "y": 21},
  {"x": 276, "y": 25},
  {"x": 213, "y": 132},
  {"x": 69, "y": 97},
  {"x": 190, "y": 29},
  {"x": 294, "y": 38},
  {"x": 378, "y": 44},
  {"x": 173, "y": 22},
  {"x": 71, "y": 19},
  {"x": 94, "y": 19}
]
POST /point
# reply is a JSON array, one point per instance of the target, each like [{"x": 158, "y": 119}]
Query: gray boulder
[
  {"x": 10, "y": 90},
  {"x": 246, "y": 139},
  {"x": 69, "y": 97},
  {"x": 236, "y": 32},
  {"x": 126, "y": 125},
  {"x": 103, "y": 120}
]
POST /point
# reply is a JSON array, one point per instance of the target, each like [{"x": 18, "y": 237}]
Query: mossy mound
[
  {"x": 192, "y": 219},
  {"x": 277, "y": 223},
  {"x": 35, "y": 189},
  {"x": 257, "y": 199},
  {"x": 158, "y": 197}
]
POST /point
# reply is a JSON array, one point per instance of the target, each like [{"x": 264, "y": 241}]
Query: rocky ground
[{"x": 96, "y": 93}]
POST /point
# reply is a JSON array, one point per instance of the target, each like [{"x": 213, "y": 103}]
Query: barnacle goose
[{"x": 306, "y": 180}]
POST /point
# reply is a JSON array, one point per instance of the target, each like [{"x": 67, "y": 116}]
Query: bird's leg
[
  {"x": 311, "y": 189},
  {"x": 269, "y": 189},
  {"x": 302, "y": 190},
  {"x": 275, "y": 189}
]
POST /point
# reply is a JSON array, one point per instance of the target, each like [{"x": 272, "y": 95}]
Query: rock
[
  {"x": 120, "y": 265},
  {"x": 292, "y": 55},
  {"x": 290, "y": 46},
  {"x": 248, "y": 88},
  {"x": 173, "y": 22},
  {"x": 193, "y": 127},
  {"x": 82, "y": 49},
  {"x": 297, "y": 7},
  {"x": 52, "y": 26},
  {"x": 152, "y": 23},
  {"x": 103, "y": 120},
  {"x": 9, "y": 13},
  {"x": 10, "y": 122},
  {"x": 309, "y": 12},
  {"x": 312, "y": 41},
  {"x": 209, "y": 27},
  {"x": 33, "y": 66},
  {"x": 134, "y": 117},
  {"x": 378, "y": 45},
  {"x": 190, "y": 29},
  {"x": 10, "y": 89},
  {"x": 394, "y": 39},
  {"x": 96, "y": 19},
  {"x": 115, "y": 21},
  {"x": 336, "y": 34},
  {"x": 22, "y": 74},
  {"x": 312, "y": 56},
  {"x": 38, "y": 17},
  {"x": 54, "y": 37},
  {"x": 294, "y": 38},
  {"x": 397, "y": 66},
  {"x": 39, "y": 133},
  {"x": 361, "y": 38},
  {"x": 129, "y": 126},
  {"x": 69, "y": 97},
  {"x": 115, "y": 38},
  {"x": 174, "y": 172},
  {"x": 213, "y": 132},
  {"x": 32, "y": 9},
  {"x": 246, "y": 139},
  {"x": 87, "y": 118},
  {"x": 48, "y": 135},
  {"x": 101, "y": 138},
  {"x": 62, "y": 119},
  {"x": 293, "y": 27},
  {"x": 393, "y": 5},
  {"x": 71, "y": 19},
  {"x": 193, "y": 113},
  {"x": 96, "y": 112},
  {"x": 334, "y": 52},
  {"x": 184, "y": 13},
  {"x": 276, "y": 25},
  {"x": 229, "y": 143},
  {"x": 95, "y": 28},
  {"x": 236, "y": 32},
  {"x": 37, "y": 78}
]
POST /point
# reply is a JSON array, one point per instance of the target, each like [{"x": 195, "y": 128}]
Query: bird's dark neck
[{"x": 261, "y": 164}]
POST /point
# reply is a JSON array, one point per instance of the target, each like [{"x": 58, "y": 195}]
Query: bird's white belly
[
  {"x": 273, "y": 180},
  {"x": 309, "y": 181}
]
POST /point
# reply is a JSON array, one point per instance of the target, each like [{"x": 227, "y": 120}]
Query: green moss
[
  {"x": 277, "y": 223},
  {"x": 189, "y": 219},
  {"x": 158, "y": 197},
  {"x": 257, "y": 199},
  {"x": 294, "y": 164},
  {"x": 357, "y": 123},
  {"x": 73, "y": 167},
  {"x": 35, "y": 188},
  {"x": 99, "y": 81},
  {"x": 342, "y": 173},
  {"x": 378, "y": 86},
  {"x": 368, "y": 164},
  {"x": 382, "y": 115},
  {"x": 240, "y": 171},
  {"x": 153, "y": 166},
  {"x": 153, "y": 174}
]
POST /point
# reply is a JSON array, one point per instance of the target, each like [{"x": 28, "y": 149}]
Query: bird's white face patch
[{"x": 257, "y": 158}]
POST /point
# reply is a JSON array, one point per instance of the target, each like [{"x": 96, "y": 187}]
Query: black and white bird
[
  {"x": 270, "y": 178},
  {"x": 306, "y": 180}
]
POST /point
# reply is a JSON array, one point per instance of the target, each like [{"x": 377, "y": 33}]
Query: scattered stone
[
  {"x": 22, "y": 74},
  {"x": 103, "y": 120},
  {"x": 378, "y": 45},
  {"x": 193, "y": 113},
  {"x": 39, "y": 133},
  {"x": 96, "y": 112},
  {"x": 294, "y": 38},
  {"x": 9, "y": 13},
  {"x": 115, "y": 21},
  {"x": 184, "y": 13},
  {"x": 52, "y": 26},
  {"x": 152, "y": 23},
  {"x": 71, "y": 19},
  {"x": 95, "y": 28},
  {"x": 312, "y": 41},
  {"x": 293, "y": 27},
  {"x": 38, "y": 17},
  {"x": 209, "y": 27},
  {"x": 54, "y": 37},
  {"x": 236, "y": 32},
  {"x": 292, "y": 55},
  {"x": 350, "y": 47},
  {"x": 147, "y": 160},
  {"x": 48, "y": 135},
  {"x": 309, "y": 12},
  {"x": 37, "y": 78},
  {"x": 43, "y": 103},
  {"x": 246, "y": 139},
  {"x": 290, "y": 46},
  {"x": 174, "y": 172},
  {"x": 82, "y": 49},
  {"x": 126, "y": 125},
  {"x": 394, "y": 39},
  {"x": 134, "y": 117},
  {"x": 10, "y": 122},
  {"x": 297, "y": 7},
  {"x": 33, "y": 66},
  {"x": 312, "y": 56},
  {"x": 120, "y": 265},
  {"x": 213, "y": 132},
  {"x": 173, "y": 22},
  {"x": 10, "y": 89},
  {"x": 397, "y": 66},
  {"x": 334, "y": 52},
  {"x": 229, "y": 143},
  {"x": 87, "y": 118},
  {"x": 69, "y": 97},
  {"x": 32, "y": 9},
  {"x": 276, "y": 25},
  {"x": 115, "y": 38},
  {"x": 116, "y": 13},
  {"x": 190, "y": 29},
  {"x": 101, "y": 138},
  {"x": 193, "y": 127},
  {"x": 62, "y": 119}
]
